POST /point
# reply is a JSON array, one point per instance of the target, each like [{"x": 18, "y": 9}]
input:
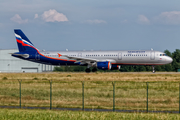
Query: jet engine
[
  {"x": 104, "y": 65},
  {"x": 115, "y": 67}
]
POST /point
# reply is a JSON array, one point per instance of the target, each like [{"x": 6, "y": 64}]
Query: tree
[{"x": 176, "y": 60}]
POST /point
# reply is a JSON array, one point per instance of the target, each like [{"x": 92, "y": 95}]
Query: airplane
[{"x": 104, "y": 60}]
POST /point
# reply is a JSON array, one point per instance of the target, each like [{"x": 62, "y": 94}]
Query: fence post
[
  {"x": 20, "y": 93},
  {"x": 147, "y": 97},
  {"x": 83, "y": 95},
  {"x": 114, "y": 95},
  {"x": 50, "y": 94}
]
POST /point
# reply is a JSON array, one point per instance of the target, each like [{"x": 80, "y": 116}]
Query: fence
[{"x": 131, "y": 96}]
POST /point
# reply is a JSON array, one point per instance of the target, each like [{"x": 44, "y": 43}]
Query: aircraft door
[
  {"x": 120, "y": 56},
  {"x": 79, "y": 54},
  {"x": 152, "y": 54},
  {"x": 37, "y": 56}
]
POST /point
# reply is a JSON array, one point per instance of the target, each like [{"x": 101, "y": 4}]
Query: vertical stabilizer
[{"x": 24, "y": 44}]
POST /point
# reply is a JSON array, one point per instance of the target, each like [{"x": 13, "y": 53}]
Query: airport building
[{"x": 12, "y": 64}]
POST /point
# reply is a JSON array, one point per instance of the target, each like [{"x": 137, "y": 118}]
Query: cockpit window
[{"x": 163, "y": 55}]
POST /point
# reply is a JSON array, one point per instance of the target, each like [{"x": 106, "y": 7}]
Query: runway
[{"x": 87, "y": 109}]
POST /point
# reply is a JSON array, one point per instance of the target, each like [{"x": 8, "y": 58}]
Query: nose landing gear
[{"x": 153, "y": 69}]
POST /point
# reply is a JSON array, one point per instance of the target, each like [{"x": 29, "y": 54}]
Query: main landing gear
[
  {"x": 153, "y": 69},
  {"x": 88, "y": 70},
  {"x": 94, "y": 70}
]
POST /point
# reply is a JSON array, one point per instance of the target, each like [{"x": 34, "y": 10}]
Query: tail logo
[{"x": 22, "y": 41}]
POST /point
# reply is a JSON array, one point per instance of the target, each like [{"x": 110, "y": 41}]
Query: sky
[{"x": 92, "y": 24}]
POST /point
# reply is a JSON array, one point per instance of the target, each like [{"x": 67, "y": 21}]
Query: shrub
[
  {"x": 4, "y": 78},
  {"x": 68, "y": 76}
]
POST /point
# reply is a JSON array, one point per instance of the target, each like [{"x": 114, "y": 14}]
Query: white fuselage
[{"x": 131, "y": 57}]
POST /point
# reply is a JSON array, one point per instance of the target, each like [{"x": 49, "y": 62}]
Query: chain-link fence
[{"x": 92, "y": 95}]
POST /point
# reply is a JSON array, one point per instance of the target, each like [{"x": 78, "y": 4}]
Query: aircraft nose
[{"x": 169, "y": 59}]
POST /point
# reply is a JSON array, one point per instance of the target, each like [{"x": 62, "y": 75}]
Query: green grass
[{"x": 24, "y": 114}]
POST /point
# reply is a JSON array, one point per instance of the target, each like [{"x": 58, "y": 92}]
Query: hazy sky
[{"x": 92, "y": 24}]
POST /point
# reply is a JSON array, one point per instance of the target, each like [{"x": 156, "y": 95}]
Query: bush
[{"x": 4, "y": 78}]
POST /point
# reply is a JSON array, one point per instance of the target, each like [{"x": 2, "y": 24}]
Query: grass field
[
  {"x": 130, "y": 90},
  {"x": 18, "y": 114}
]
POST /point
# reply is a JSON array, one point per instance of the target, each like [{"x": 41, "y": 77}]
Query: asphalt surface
[{"x": 86, "y": 109}]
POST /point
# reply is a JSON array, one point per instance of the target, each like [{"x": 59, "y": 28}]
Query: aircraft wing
[{"x": 83, "y": 60}]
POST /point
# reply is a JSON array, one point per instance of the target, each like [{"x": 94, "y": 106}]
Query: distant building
[{"x": 12, "y": 64}]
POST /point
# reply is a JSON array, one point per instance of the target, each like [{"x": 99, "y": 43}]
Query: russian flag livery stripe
[
  {"x": 24, "y": 44},
  {"x": 20, "y": 40}
]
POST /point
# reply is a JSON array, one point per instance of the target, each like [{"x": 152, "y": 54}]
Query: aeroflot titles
[{"x": 136, "y": 51}]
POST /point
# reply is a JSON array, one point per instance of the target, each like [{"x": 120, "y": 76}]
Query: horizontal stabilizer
[{"x": 21, "y": 55}]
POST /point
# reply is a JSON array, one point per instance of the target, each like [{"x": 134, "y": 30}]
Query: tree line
[{"x": 130, "y": 68}]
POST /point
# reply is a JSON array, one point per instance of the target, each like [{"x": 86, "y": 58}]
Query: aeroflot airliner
[{"x": 105, "y": 60}]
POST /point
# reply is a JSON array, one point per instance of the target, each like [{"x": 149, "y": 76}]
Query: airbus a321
[{"x": 104, "y": 60}]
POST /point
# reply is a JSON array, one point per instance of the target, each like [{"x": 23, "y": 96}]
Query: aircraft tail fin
[{"x": 24, "y": 44}]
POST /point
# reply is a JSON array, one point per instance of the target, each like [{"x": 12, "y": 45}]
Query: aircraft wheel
[
  {"x": 88, "y": 70},
  {"x": 94, "y": 70}
]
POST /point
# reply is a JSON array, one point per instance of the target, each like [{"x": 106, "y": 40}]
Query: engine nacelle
[
  {"x": 115, "y": 67},
  {"x": 104, "y": 65}
]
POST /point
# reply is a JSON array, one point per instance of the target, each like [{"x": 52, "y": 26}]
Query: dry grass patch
[
  {"x": 130, "y": 90},
  {"x": 138, "y": 77}
]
